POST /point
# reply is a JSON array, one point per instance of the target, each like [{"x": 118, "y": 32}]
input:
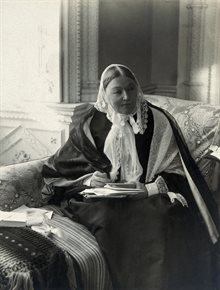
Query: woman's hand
[{"x": 99, "y": 179}]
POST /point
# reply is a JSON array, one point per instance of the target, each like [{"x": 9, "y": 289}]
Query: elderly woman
[{"x": 165, "y": 236}]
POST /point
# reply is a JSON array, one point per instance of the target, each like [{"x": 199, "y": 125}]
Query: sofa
[{"x": 21, "y": 184}]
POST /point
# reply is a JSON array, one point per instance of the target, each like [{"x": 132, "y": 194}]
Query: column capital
[{"x": 197, "y": 5}]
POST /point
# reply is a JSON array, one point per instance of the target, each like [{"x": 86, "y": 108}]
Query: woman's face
[{"x": 121, "y": 94}]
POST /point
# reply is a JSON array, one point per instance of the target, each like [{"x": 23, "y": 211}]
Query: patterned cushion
[
  {"x": 21, "y": 184},
  {"x": 198, "y": 122}
]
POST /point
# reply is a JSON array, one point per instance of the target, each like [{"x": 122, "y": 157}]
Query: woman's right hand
[{"x": 99, "y": 179}]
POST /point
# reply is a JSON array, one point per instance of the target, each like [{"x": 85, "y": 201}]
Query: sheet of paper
[
  {"x": 111, "y": 191},
  {"x": 13, "y": 216},
  {"x": 35, "y": 216},
  {"x": 121, "y": 187}
]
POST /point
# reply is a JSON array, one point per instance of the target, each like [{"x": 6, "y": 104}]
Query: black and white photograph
[{"x": 109, "y": 144}]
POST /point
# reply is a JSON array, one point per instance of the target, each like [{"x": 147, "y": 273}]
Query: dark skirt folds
[{"x": 149, "y": 243}]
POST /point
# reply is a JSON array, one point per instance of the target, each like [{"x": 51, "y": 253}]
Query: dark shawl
[
  {"x": 78, "y": 156},
  {"x": 148, "y": 243}
]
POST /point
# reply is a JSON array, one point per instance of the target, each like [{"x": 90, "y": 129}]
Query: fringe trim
[{"x": 20, "y": 281}]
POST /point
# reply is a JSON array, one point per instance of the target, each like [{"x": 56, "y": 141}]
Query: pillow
[
  {"x": 198, "y": 122},
  {"x": 21, "y": 184}
]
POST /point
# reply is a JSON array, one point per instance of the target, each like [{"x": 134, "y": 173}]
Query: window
[
  {"x": 30, "y": 40},
  {"x": 30, "y": 80}
]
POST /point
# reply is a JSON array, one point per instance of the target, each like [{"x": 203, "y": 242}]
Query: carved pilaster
[
  {"x": 198, "y": 30},
  {"x": 194, "y": 84},
  {"x": 162, "y": 90},
  {"x": 71, "y": 38},
  {"x": 89, "y": 49},
  {"x": 212, "y": 59},
  {"x": 80, "y": 50}
]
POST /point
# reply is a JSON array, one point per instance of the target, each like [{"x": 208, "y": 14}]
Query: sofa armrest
[{"x": 21, "y": 184}]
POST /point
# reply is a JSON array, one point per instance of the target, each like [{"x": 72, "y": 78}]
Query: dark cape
[{"x": 148, "y": 243}]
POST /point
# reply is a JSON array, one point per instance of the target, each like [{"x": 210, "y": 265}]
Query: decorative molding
[
  {"x": 80, "y": 50},
  {"x": 149, "y": 89},
  {"x": 172, "y": 1},
  {"x": 19, "y": 115},
  {"x": 165, "y": 90},
  {"x": 198, "y": 42},
  {"x": 213, "y": 32},
  {"x": 36, "y": 141},
  {"x": 73, "y": 67},
  {"x": 64, "y": 55},
  {"x": 39, "y": 133},
  {"x": 200, "y": 5},
  {"x": 160, "y": 89},
  {"x": 63, "y": 111},
  {"x": 195, "y": 41},
  {"x": 16, "y": 136},
  {"x": 89, "y": 92},
  {"x": 60, "y": 112},
  {"x": 89, "y": 49},
  {"x": 21, "y": 156}
]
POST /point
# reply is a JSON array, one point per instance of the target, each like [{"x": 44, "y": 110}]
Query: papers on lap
[
  {"x": 112, "y": 190},
  {"x": 122, "y": 187}
]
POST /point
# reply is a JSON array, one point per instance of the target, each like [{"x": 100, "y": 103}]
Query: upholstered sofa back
[{"x": 199, "y": 122}]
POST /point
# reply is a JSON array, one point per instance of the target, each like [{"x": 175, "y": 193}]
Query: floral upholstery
[
  {"x": 21, "y": 184},
  {"x": 199, "y": 122}
]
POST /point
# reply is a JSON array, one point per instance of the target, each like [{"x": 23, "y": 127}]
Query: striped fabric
[{"x": 81, "y": 244}]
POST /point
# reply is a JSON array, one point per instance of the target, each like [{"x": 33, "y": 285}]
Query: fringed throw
[{"x": 31, "y": 261}]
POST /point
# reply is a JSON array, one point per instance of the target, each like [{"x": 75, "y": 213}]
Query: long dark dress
[{"x": 148, "y": 243}]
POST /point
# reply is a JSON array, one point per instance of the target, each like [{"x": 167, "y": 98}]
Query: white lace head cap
[
  {"x": 120, "y": 145},
  {"x": 111, "y": 72}
]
